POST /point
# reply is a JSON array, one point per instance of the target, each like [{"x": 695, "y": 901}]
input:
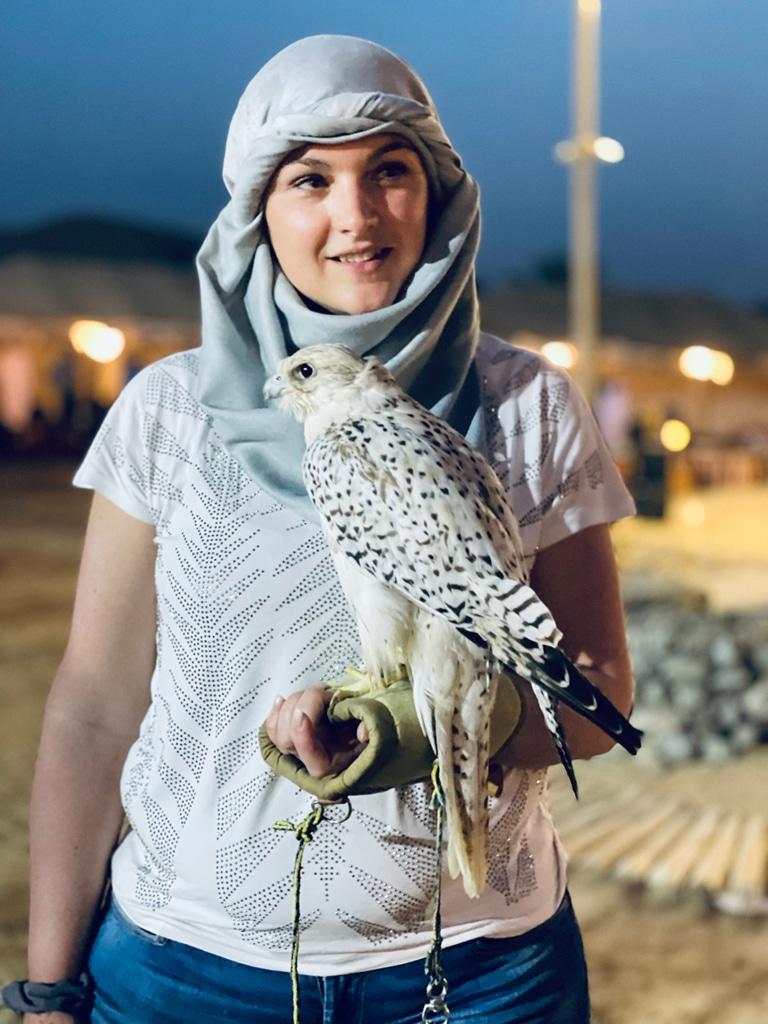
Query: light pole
[{"x": 580, "y": 153}]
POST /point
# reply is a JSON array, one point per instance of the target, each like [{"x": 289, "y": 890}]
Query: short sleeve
[
  {"x": 579, "y": 475},
  {"x": 115, "y": 464}
]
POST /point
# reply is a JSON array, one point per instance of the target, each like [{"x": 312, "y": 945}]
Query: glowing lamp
[
  {"x": 96, "y": 340},
  {"x": 561, "y": 353},
  {"x": 697, "y": 362},
  {"x": 702, "y": 363},
  {"x": 675, "y": 435},
  {"x": 607, "y": 150},
  {"x": 722, "y": 371}
]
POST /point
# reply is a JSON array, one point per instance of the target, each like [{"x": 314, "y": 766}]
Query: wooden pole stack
[{"x": 664, "y": 843}]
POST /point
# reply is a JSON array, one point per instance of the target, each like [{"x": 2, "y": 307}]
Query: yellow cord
[
  {"x": 435, "y": 1009},
  {"x": 304, "y": 833}
]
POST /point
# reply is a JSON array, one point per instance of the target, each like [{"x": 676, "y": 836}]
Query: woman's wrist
[{"x": 70, "y": 995}]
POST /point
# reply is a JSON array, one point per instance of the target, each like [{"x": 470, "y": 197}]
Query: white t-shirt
[{"x": 249, "y": 607}]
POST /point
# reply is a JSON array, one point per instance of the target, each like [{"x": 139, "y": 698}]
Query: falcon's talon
[{"x": 362, "y": 683}]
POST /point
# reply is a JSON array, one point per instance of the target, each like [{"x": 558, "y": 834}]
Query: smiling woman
[
  {"x": 208, "y": 607},
  {"x": 347, "y": 223}
]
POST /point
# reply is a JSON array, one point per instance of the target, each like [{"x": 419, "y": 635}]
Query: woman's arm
[
  {"x": 98, "y": 699},
  {"x": 578, "y": 581}
]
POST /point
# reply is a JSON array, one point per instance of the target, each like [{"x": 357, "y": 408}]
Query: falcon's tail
[
  {"x": 463, "y": 740},
  {"x": 554, "y": 677},
  {"x": 549, "y": 711},
  {"x": 454, "y": 690}
]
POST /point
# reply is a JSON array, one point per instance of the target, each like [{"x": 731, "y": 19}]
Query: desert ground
[{"x": 655, "y": 957}]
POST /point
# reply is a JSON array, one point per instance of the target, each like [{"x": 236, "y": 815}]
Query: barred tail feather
[
  {"x": 454, "y": 690},
  {"x": 552, "y": 670},
  {"x": 463, "y": 740},
  {"x": 549, "y": 711}
]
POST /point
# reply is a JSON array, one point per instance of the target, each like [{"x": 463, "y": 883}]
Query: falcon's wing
[{"x": 415, "y": 506}]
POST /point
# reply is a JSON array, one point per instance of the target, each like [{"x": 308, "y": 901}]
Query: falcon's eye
[{"x": 305, "y": 370}]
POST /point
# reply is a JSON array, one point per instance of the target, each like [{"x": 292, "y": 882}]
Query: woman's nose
[{"x": 354, "y": 207}]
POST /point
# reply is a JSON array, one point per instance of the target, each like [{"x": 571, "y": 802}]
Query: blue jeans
[{"x": 536, "y": 978}]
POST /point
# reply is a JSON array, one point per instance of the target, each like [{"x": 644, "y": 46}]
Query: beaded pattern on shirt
[
  {"x": 227, "y": 615},
  {"x": 505, "y": 425}
]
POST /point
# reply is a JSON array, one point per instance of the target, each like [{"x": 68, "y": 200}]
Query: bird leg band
[{"x": 397, "y": 752}]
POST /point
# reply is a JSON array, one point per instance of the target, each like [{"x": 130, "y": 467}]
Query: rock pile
[{"x": 701, "y": 678}]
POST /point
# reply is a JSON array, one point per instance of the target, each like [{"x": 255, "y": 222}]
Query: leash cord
[
  {"x": 436, "y": 1009},
  {"x": 304, "y": 832}
]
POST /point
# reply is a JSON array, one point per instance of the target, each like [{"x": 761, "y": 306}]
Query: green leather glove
[{"x": 397, "y": 752}]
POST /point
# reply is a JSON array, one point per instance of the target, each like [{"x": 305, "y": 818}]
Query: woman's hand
[{"x": 299, "y": 725}]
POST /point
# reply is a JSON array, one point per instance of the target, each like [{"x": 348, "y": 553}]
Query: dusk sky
[{"x": 122, "y": 109}]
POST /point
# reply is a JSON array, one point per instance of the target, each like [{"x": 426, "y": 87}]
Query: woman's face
[{"x": 347, "y": 222}]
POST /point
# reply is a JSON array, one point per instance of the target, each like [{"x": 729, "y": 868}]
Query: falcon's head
[{"x": 320, "y": 377}]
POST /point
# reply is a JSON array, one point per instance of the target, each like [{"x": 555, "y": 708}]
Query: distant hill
[{"x": 101, "y": 238}]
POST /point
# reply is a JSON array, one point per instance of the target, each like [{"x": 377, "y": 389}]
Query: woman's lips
[{"x": 362, "y": 266}]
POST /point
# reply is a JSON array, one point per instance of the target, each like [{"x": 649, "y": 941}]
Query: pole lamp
[{"x": 580, "y": 153}]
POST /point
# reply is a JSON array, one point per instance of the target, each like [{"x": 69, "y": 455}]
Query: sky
[{"x": 122, "y": 109}]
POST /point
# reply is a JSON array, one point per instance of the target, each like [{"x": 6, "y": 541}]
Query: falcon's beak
[{"x": 275, "y": 387}]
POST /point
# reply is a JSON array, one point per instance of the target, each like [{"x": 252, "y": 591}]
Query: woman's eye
[
  {"x": 392, "y": 169},
  {"x": 309, "y": 182}
]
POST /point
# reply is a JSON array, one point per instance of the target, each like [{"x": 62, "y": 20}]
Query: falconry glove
[{"x": 397, "y": 752}]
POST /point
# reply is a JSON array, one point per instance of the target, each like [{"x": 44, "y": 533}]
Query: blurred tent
[
  {"x": 670, "y": 320},
  {"x": 139, "y": 282},
  {"x": 638, "y": 361},
  {"x": 88, "y": 267},
  {"x": 37, "y": 285}
]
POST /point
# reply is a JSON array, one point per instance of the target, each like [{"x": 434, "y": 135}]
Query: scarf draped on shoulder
[{"x": 325, "y": 90}]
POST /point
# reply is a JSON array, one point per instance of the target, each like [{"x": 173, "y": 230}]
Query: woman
[{"x": 207, "y": 602}]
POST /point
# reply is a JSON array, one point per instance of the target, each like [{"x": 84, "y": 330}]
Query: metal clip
[
  {"x": 335, "y": 812},
  {"x": 436, "y": 1009}
]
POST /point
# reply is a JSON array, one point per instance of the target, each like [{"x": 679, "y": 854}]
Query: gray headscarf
[{"x": 324, "y": 90}]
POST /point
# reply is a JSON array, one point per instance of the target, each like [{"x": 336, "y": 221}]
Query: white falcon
[{"x": 428, "y": 552}]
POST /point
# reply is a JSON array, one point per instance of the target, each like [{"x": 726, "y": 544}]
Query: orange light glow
[
  {"x": 96, "y": 340},
  {"x": 561, "y": 353},
  {"x": 699, "y": 362}
]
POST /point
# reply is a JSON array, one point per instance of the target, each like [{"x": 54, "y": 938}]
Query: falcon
[{"x": 429, "y": 556}]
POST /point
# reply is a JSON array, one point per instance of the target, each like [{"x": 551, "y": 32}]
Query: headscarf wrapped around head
[{"x": 325, "y": 90}]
